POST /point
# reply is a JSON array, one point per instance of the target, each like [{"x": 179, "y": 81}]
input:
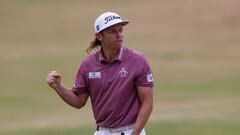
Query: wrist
[
  {"x": 135, "y": 133},
  {"x": 57, "y": 86}
]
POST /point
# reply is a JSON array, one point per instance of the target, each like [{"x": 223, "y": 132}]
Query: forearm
[
  {"x": 142, "y": 118},
  {"x": 69, "y": 96}
]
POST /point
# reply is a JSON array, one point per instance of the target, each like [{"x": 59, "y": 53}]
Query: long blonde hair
[{"x": 94, "y": 44}]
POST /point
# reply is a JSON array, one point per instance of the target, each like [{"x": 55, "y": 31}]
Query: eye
[
  {"x": 120, "y": 30},
  {"x": 112, "y": 31}
]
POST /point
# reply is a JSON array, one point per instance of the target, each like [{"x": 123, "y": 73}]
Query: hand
[
  {"x": 134, "y": 133},
  {"x": 54, "y": 79}
]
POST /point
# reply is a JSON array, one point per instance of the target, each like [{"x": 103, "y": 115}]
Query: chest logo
[
  {"x": 123, "y": 72},
  {"x": 93, "y": 75}
]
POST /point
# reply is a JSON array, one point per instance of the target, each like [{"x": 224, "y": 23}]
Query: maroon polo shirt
[{"x": 112, "y": 86}]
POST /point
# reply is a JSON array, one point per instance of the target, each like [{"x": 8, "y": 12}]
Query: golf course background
[{"x": 192, "y": 45}]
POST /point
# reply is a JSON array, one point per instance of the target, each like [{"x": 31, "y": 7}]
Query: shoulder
[
  {"x": 89, "y": 60},
  {"x": 133, "y": 54}
]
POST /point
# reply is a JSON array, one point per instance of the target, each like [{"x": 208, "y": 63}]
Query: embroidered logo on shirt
[
  {"x": 123, "y": 72},
  {"x": 149, "y": 77},
  {"x": 93, "y": 75}
]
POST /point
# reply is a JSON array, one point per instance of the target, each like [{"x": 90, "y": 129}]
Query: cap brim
[{"x": 123, "y": 23}]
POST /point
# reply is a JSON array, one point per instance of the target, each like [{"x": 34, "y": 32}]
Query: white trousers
[{"x": 126, "y": 132}]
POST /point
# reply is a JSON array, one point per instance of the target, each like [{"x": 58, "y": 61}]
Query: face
[{"x": 111, "y": 37}]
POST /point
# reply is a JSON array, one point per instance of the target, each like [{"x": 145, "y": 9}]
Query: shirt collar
[{"x": 118, "y": 57}]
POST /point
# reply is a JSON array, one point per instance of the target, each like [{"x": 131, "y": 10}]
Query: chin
[{"x": 116, "y": 46}]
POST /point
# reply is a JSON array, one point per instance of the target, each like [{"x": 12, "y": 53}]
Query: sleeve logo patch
[
  {"x": 93, "y": 75},
  {"x": 149, "y": 77}
]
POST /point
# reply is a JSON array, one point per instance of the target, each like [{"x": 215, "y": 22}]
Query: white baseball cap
[{"x": 108, "y": 19}]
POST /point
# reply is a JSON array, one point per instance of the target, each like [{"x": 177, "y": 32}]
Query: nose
[{"x": 119, "y": 34}]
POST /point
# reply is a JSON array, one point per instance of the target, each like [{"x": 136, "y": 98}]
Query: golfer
[{"x": 117, "y": 79}]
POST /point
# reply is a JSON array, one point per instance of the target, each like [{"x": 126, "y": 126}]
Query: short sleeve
[
  {"x": 144, "y": 76},
  {"x": 80, "y": 81}
]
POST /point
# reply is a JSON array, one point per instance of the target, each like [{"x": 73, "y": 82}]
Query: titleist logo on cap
[{"x": 110, "y": 18}]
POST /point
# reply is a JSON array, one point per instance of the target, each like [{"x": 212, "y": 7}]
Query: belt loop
[{"x": 97, "y": 128}]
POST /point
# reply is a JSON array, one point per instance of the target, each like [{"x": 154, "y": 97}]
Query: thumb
[{"x": 57, "y": 77}]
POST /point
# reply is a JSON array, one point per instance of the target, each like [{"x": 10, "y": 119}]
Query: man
[{"x": 118, "y": 81}]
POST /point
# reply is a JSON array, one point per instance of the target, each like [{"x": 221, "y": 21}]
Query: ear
[{"x": 99, "y": 36}]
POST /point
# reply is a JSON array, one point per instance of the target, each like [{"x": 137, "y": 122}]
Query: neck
[{"x": 109, "y": 54}]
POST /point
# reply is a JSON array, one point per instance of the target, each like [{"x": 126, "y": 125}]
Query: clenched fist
[{"x": 54, "y": 79}]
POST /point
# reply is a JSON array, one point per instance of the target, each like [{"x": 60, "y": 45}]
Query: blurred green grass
[
  {"x": 166, "y": 128},
  {"x": 193, "y": 47}
]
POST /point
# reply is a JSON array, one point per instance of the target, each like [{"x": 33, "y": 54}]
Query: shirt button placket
[{"x": 110, "y": 72}]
